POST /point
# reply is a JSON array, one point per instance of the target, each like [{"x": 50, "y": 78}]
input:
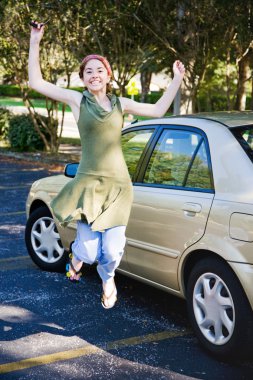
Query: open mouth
[{"x": 95, "y": 82}]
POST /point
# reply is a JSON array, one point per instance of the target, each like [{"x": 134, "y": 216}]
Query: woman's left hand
[{"x": 178, "y": 69}]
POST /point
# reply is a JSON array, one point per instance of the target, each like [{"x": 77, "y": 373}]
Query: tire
[
  {"x": 219, "y": 310},
  {"x": 43, "y": 241}
]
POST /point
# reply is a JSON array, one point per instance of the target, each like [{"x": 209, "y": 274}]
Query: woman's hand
[
  {"x": 37, "y": 33},
  {"x": 162, "y": 105},
  {"x": 178, "y": 69}
]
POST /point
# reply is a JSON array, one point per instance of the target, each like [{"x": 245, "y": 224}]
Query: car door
[
  {"x": 134, "y": 145},
  {"x": 172, "y": 200}
]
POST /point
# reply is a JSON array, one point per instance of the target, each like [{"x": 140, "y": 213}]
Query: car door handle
[{"x": 191, "y": 208}]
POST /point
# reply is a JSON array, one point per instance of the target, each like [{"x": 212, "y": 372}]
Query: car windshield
[{"x": 244, "y": 135}]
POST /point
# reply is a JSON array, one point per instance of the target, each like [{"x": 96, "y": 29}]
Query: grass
[
  {"x": 70, "y": 141},
  {"x": 38, "y": 103},
  {"x": 64, "y": 140}
]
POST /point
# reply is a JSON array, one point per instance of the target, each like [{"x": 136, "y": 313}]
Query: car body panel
[
  {"x": 154, "y": 243},
  {"x": 244, "y": 273},
  {"x": 217, "y": 236}
]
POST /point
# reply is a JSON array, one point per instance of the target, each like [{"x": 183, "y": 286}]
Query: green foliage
[
  {"x": 9, "y": 90},
  {"x": 135, "y": 36},
  {"x": 14, "y": 91},
  {"x": 152, "y": 97},
  {"x": 217, "y": 93},
  {"x": 22, "y": 135},
  {"x": 5, "y": 116},
  {"x": 211, "y": 102}
]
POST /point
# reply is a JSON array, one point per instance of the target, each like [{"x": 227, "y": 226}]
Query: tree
[
  {"x": 192, "y": 31},
  {"x": 114, "y": 32},
  {"x": 243, "y": 44},
  {"x": 58, "y": 52}
]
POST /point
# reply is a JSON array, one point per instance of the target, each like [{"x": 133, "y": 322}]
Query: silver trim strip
[
  {"x": 153, "y": 248},
  {"x": 150, "y": 282}
]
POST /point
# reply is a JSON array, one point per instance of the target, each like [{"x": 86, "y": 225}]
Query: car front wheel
[
  {"x": 219, "y": 310},
  {"x": 43, "y": 241}
]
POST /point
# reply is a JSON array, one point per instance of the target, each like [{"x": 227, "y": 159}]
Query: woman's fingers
[
  {"x": 179, "y": 66},
  {"x": 37, "y": 31},
  {"x": 36, "y": 25}
]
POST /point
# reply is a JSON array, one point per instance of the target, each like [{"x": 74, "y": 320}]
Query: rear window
[{"x": 244, "y": 136}]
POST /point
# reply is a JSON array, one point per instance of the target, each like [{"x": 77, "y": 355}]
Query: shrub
[
  {"x": 5, "y": 116},
  {"x": 22, "y": 135},
  {"x": 11, "y": 90}
]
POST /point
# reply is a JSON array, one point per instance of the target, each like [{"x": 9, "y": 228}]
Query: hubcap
[
  {"x": 46, "y": 240},
  {"x": 214, "y": 308}
]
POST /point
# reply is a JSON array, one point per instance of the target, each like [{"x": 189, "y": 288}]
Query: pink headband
[{"x": 101, "y": 59}]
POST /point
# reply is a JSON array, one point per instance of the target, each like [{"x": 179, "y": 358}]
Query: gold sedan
[{"x": 191, "y": 226}]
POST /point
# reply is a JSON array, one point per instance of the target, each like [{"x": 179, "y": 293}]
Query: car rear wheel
[
  {"x": 43, "y": 241},
  {"x": 219, "y": 310}
]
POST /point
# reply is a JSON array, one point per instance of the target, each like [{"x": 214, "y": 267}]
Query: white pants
[{"x": 105, "y": 247}]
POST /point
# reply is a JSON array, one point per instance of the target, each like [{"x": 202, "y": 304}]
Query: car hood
[{"x": 50, "y": 184}]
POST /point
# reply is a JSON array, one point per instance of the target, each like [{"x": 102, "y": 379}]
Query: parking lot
[{"x": 51, "y": 328}]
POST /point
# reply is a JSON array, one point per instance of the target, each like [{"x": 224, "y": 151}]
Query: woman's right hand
[{"x": 37, "y": 33}]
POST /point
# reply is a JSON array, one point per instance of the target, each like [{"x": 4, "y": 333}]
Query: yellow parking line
[
  {"x": 15, "y": 258},
  {"x": 12, "y": 213},
  {"x": 47, "y": 359},
  {"x": 14, "y": 187},
  {"x": 15, "y": 263},
  {"x": 144, "y": 339},
  {"x": 88, "y": 350}
]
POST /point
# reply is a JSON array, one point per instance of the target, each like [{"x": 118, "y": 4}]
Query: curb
[{"x": 60, "y": 159}]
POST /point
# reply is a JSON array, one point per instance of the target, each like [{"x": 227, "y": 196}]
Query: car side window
[
  {"x": 179, "y": 159},
  {"x": 133, "y": 145},
  {"x": 199, "y": 174}
]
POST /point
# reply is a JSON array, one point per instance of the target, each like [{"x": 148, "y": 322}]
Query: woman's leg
[
  {"x": 85, "y": 248},
  {"x": 113, "y": 243}
]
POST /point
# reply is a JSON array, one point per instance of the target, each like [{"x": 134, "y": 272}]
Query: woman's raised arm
[
  {"x": 161, "y": 106},
  {"x": 70, "y": 97}
]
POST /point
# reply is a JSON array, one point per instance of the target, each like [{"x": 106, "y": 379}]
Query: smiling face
[{"x": 95, "y": 76}]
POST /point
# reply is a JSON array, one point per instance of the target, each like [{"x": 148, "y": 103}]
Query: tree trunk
[
  {"x": 145, "y": 84},
  {"x": 122, "y": 88},
  {"x": 187, "y": 90},
  {"x": 228, "y": 72},
  {"x": 251, "y": 100},
  {"x": 240, "y": 103},
  {"x": 177, "y": 103}
]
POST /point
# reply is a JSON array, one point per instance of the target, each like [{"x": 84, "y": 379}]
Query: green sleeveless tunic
[{"x": 101, "y": 193}]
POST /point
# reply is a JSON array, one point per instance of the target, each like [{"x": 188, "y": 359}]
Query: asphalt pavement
[{"x": 53, "y": 329}]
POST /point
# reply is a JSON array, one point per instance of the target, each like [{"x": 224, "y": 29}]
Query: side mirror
[{"x": 71, "y": 169}]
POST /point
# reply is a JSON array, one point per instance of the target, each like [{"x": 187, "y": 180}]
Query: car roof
[{"x": 228, "y": 118}]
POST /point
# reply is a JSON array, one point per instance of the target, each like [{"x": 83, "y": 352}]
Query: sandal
[
  {"x": 70, "y": 269},
  {"x": 105, "y": 300}
]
